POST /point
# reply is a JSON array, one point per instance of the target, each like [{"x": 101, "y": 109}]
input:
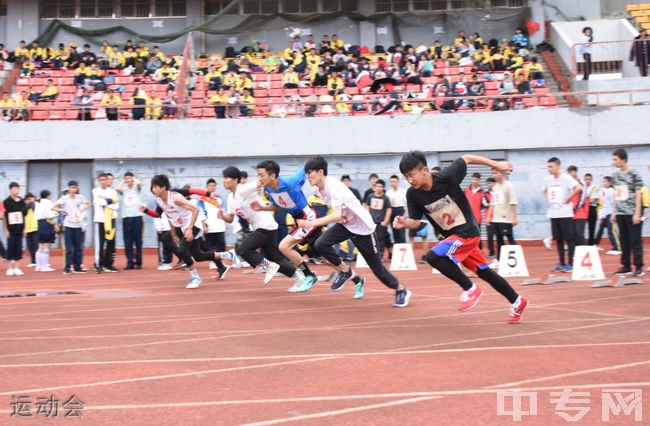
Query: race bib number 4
[
  {"x": 15, "y": 218},
  {"x": 283, "y": 200},
  {"x": 446, "y": 213},
  {"x": 621, "y": 192}
]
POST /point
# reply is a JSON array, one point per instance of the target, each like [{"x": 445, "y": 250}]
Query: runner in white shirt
[
  {"x": 351, "y": 221},
  {"x": 183, "y": 216},
  {"x": 105, "y": 201},
  {"x": 46, "y": 230}
]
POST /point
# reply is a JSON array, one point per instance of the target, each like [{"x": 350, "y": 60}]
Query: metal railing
[{"x": 607, "y": 57}]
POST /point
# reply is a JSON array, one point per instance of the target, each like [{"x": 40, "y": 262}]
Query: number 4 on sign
[
  {"x": 586, "y": 264},
  {"x": 403, "y": 258},
  {"x": 512, "y": 262}
]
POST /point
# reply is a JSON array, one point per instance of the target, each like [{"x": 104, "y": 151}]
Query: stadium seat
[
  {"x": 531, "y": 102},
  {"x": 645, "y": 6},
  {"x": 542, "y": 90},
  {"x": 306, "y": 91},
  {"x": 631, "y": 7},
  {"x": 547, "y": 101}
]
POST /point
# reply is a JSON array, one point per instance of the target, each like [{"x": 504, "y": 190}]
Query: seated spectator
[
  {"x": 247, "y": 107},
  {"x": 444, "y": 105},
  {"x": 523, "y": 85},
  {"x": 482, "y": 60},
  {"x": 534, "y": 70},
  {"x": 230, "y": 80},
  {"x": 49, "y": 93},
  {"x": 170, "y": 103},
  {"x": 340, "y": 60},
  {"x": 342, "y": 105},
  {"x": 313, "y": 61},
  {"x": 219, "y": 100},
  {"x": 152, "y": 65},
  {"x": 442, "y": 82},
  {"x": 165, "y": 74},
  {"x": 244, "y": 82},
  {"x": 21, "y": 53},
  {"x": 337, "y": 43},
  {"x": 507, "y": 86},
  {"x": 102, "y": 56},
  {"x": 81, "y": 74},
  {"x": 324, "y": 44},
  {"x": 158, "y": 54},
  {"x": 213, "y": 78},
  {"x": 501, "y": 104},
  {"x": 232, "y": 107},
  {"x": 116, "y": 59},
  {"x": 27, "y": 68},
  {"x": 111, "y": 103},
  {"x": 95, "y": 77},
  {"x": 320, "y": 80},
  {"x": 59, "y": 57},
  {"x": 87, "y": 57},
  {"x": 290, "y": 79},
  {"x": 411, "y": 74},
  {"x": 84, "y": 102},
  {"x": 326, "y": 106},
  {"x": 389, "y": 104},
  {"x": 73, "y": 56},
  {"x": 349, "y": 76},
  {"x": 138, "y": 101},
  {"x": 515, "y": 62},
  {"x": 271, "y": 63},
  {"x": 519, "y": 39},
  {"x": 296, "y": 43},
  {"x": 130, "y": 57},
  {"x": 7, "y": 111},
  {"x": 309, "y": 44},
  {"x": 497, "y": 60},
  {"x": 426, "y": 66},
  {"x": 203, "y": 64},
  {"x": 334, "y": 83},
  {"x": 298, "y": 61},
  {"x": 154, "y": 106},
  {"x": 477, "y": 88}
]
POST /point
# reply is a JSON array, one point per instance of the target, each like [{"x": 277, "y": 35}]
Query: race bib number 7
[
  {"x": 283, "y": 200},
  {"x": 446, "y": 213}
]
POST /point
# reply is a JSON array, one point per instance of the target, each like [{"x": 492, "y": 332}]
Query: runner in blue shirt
[{"x": 286, "y": 193}]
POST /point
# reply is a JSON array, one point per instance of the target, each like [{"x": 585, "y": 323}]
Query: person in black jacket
[
  {"x": 14, "y": 228},
  {"x": 640, "y": 52}
]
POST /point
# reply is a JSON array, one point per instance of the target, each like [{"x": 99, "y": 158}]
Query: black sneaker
[
  {"x": 79, "y": 271},
  {"x": 111, "y": 269},
  {"x": 638, "y": 273},
  {"x": 623, "y": 271},
  {"x": 341, "y": 279},
  {"x": 97, "y": 269},
  {"x": 138, "y": 266},
  {"x": 67, "y": 272},
  {"x": 223, "y": 272},
  {"x": 129, "y": 267},
  {"x": 402, "y": 298},
  {"x": 179, "y": 265}
]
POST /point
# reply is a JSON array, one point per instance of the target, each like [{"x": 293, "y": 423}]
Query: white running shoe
[
  {"x": 18, "y": 272},
  {"x": 270, "y": 272},
  {"x": 298, "y": 278},
  {"x": 213, "y": 266},
  {"x": 614, "y": 252},
  {"x": 10, "y": 272},
  {"x": 547, "y": 242},
  {"x": 194, "y": 282},
  {"x": 46, "y": 269},
  {"x": 165, "y": 267},
  {"x": 236, "y": 261},
  {"x": 494, "y": 264},
  {"x": 31, "y": 265}
]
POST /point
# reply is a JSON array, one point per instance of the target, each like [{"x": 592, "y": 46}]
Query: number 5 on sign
[
  {"x": 403, "y": 258},
  {"x": 512, "y": 262},
  {"x": 587, "y": 265}
]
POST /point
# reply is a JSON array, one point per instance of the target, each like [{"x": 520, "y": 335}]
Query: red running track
[{"x": 138, "y": 348}]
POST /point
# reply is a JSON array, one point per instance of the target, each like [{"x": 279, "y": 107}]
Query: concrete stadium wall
[{"x": 192, "y": 151}]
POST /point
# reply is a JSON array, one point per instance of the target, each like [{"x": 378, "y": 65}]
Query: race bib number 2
[{"x": 446, "y": 213}]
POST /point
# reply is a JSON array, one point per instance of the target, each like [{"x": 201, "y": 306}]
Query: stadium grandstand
[{"x": 319, "y": 142}]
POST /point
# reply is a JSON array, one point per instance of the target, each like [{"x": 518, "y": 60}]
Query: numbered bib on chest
[
  {"x": 555, "y": 194},
  {"x": 499, "y": 198},
  {"x": 446, "y": 213},
  {"x": 377, "y": 203},
  {"x": 283, "y": 200},
  {"x": 15, "y": 218},
  {"x": 621, "y": 192},
  {"x": 130, "y": 200}
]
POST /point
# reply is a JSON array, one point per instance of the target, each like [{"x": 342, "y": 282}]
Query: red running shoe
[
  {"x": 470, "y": 299},
  {"x": 516, "y": 314}
]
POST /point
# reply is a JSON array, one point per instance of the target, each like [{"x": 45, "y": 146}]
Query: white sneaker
[
  {"x": 547, "y": 242},
  {"x": 10, "y": 272},
  {"x": 213, "y": 265},
  {"x": 165, "y": 267},
  {"x": 236, "y": 261},
  {"x": 298, "y": 277},
  {"x": 614, "y": 252},
  {"x": 18, "y": 272},
  {"x": 494, "y": 264},
  {"x": 31, "y": 265},
  {"x": 194, "y": 282},
  {"x": 270, "y": 272},
  {"x": 46, "y": 269}
]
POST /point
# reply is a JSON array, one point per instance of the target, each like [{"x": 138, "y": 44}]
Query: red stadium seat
[{"x": 547, "y": 101}]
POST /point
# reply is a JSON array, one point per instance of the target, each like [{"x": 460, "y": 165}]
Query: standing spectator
[
  {"x": 397, "y": 197},
  {"x": 14, "y": 226},
  {"x": 519, "y": 39},
  {"x": 85, "y": 103},
  {"x": 592, "y": 194},
  {"x": 378, "y": 205},
  {"x": 105, "y": 205},
  {"x": 627, "y": 213},
  {"x": 47, "y": 230},
  {"x": 111, "y": 102},
  {"x": 490, "y": 182},
  {"x": 371, "y": 182},
  {"x": 475, "y": 196},
  {"x": 232, "y": 107},
  {"x": 640, "y": 52},
  {"x": 605, "y": 218},
  {"x": 132, "y": 227},
  {"x": 138, "y": 101},
  {"x": 580, "y": 205},
  {"x": 559, "y": 189},
  {"x": 348, "y": 182},
  {"x": 31, "y": 228},
  {"x": 72, "y": 206},
  {"x": 503, "y": 215},
  {"x": 585, "y": 50}
]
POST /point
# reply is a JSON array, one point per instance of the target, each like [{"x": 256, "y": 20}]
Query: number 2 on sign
[
  {"x": 450, "y": 220},
  {"x": 586, "y": 262}
]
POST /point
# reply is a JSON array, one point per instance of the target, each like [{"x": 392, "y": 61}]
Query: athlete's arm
[
  {"x": 389, "y": 212},
  {"x": 502, "y": 166},
  {"x": 258, "y": 207},
  {"x": 151, "y": 213},
  {"x": 404, "y": 222},
  {"x": 333, "y": 217},
  {"x": 576, "y": 189}
]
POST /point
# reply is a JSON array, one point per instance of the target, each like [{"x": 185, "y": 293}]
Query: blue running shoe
[
  {"x": 558, "y": 268},
  {"x": 568, "y": 268},
  {"x": 341, "y": 279},
  {"x": 402, "y": 298}
]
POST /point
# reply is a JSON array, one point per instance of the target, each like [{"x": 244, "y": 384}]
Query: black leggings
[
  {"x": 367, "y": 246},
  {"x": 267, "y": 240},
  {"x": 450, "y": 270},
  {"x": 193, "y": 250}
]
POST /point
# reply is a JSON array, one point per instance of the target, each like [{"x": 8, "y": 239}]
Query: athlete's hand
[
  {"x": 142, "y": 207},
  {"x": 613, "y": 218},
  {"x": 399, "y": 222},
  {"x": 515, "y": 222},
  {"x": 304, "y": 224},
  {"x": 219, "y": 214},
  {"x": 504, "y": 167},
  {"x": 636, "y": 219},
  {"x": 255, "y": 205},
  {"x": 189, "y": 236}
]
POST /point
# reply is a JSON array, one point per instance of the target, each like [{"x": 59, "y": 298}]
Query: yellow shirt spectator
[
  {"x": 218, "y": 99},
  {"x": 243, "y": 83},
  {"x": 154, "y": 107},
  {"x": 6, "y": 103},
  {"x": 21, "y": 51},
  {"x": 337, "y": 43},
  {"x": 111, "y": 101},
  {"x": 50, "y": 91},
  {"x": 290, "y": 78},
  {"x": 331, "y": 82},
  {"x": 342, "y": 107},
  {"x": 248, "y": 101}
]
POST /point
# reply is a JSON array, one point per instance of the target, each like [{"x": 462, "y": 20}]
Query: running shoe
[
  {"x": 638, "y": 273},
  {"x": 270, "y": 272},
  {"x": 613, "y": 252},
  {"x": 494, "y": 264},
  {"x": 47, "y": 269},
  {"x": 516, "y": 314},
  {"x": 307, "y": 283},
  {"x": 18, "y": 272},
  {"x": 568, "y": 268},
  {"x": 194, "y": 282},
  {"x": 111, "y": 269},
  {"x": 298, "y": 278},
  {"x": 223, "y": 272},
  {"x": 358, "y": 289},
  {"x": 402, "y": 298},
  {"x": 79, "y": 271},
  {"x": 470, "y": 298},
  {"x": 558, "y": 268},
  {"x": 341, "y": 279},
  {"x": 10, "y": 272},
  {"x": 623, "y": 271},
  {"x": 30, "y": 265},
  {"x": 165, "y": 267},
  {"x": 236, "y": 261},
  {"x": 213, "y": 266},
  {"x": 179, "y": 265}
]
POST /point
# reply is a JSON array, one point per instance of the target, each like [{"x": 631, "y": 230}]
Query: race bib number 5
[
  {"x": 283, "y": 200},
  {"x": 446, "y": 213}
]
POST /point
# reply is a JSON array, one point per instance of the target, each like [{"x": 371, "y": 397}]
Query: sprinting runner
[
  {"x": 185, "y": 233},
  {"x": 286, "y": 193},
  {"x": 264, "y": 229},
  {"x": 351, "y": 222},
  {"x": 440, "y": 197}
]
